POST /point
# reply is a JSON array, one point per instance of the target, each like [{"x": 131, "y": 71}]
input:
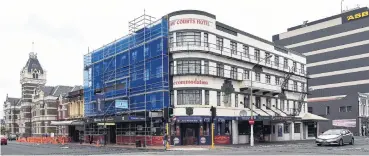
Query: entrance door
[
  {"x": 190, "y": 134},
  {"x": 112, "y": 134},
  {"x": 258, "y": 102}
]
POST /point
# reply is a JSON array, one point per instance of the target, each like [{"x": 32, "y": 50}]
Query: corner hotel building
[{"x": 211, "y": 64}]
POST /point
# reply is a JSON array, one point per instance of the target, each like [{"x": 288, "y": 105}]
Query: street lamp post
[{"x": 251, "y": 121}]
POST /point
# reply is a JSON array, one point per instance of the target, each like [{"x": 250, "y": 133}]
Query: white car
[{"x": 335, "y": 137}]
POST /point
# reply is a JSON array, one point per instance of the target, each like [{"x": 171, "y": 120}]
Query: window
[
  {"x": 227, "y": 99},
  {"x": 348, "y": 108},
  {"x": 189, "y": 97},
  {"x": 257, "y": 77},
  {"x": 285, "y": 63},
  {"x": 276, "y": 104},
  {"x": 303, "y": 87},
  {"x": 297, "y": 128},
  {"x": 233, "y": 73},
  {"x": 268, "y": 103},
  {"x": 302, "y": 69},
  {"x": 206, "y": 39},
  {"x": 234, "y": 48},
  {"x": 286, "y": 127},
  {"x": 257, "y": 55},
  {"x": 310, "y": 109},
  {"x": 219, "y": 45},
  {"x": 236, "y": 100},
  {"x": 295, "y": 85},
  {"x": 220, "y": 69},
  {"x": 171, "y": 68},
  {"x": 206, "y": 67},
  {"x": 246, "y": 74},
  {"x": 267, "y": 59},
  {"x": 267, "y": 77},
  {"x": 294, "y": 66},
  {"x": 172, "y": 98},
  {"x": 188, "y": 38},
  {"x": 277, "y": 80},
  {"x": 189, "y": 67},
  {"x": 343, "y": 109},
  {"x": 246, "y": 51},
  {"x": 276, "y": 60},
  {"x": 327, "y": 110},
  {"x": 206, "y": 97},
  {"x": 171, "y": 39},
  {"x": 218, "y": 98}
]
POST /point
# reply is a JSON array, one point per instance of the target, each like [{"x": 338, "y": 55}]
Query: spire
[{"x": 32, "y": 54}]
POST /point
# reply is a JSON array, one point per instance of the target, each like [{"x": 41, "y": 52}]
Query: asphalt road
[{"x": 361, "y": 147}]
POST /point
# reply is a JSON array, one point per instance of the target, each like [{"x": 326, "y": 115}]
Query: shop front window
[{"x": 224, "y": 127}]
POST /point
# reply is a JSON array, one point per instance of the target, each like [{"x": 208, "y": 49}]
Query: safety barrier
[{"x": 46, "y": 140}]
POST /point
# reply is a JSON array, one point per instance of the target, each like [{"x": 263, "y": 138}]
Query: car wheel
[
  {"x": 352, "y": 141},
  {"x": 341, "y": 142},
  {"x": 319, "y": 144}
]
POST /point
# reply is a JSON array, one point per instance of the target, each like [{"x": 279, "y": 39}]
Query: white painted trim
[
  {"x": 320, "y": 51},
  {"x": 328, "y": 37},
  {"x": 342, "y": 59},
  {"x": 342, "y": 84},
  {"x": 346, "y": 71},
  {"x": 311, "y": 28},
  {"x": 326, "y": 97}
]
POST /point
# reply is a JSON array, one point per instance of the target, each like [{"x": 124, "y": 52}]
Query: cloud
[{"x": 61, "y": 32}]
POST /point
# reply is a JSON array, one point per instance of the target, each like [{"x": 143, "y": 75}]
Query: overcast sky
[{"x": 63, "y": 29}]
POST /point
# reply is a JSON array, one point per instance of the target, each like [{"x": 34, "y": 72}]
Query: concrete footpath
[{"x": 190, "y": 147}]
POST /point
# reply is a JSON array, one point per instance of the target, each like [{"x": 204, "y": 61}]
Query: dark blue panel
[
  {"x": 363, "y": 62},
  {"x": 356, "y": 76},
  {"x": 357, "y": 50},
  {"x": 347, "y": 90}
]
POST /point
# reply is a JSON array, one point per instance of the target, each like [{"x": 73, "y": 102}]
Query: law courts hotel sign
[{"x": 184, "y": 21}]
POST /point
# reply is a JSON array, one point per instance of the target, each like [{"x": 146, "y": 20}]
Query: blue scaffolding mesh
[{"x": 135, "y": 68}]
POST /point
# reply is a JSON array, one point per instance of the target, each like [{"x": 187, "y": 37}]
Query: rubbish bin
[{"x": 138, "y": 143}]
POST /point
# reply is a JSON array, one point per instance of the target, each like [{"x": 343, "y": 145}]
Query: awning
[
  {"x": 66, "y": 123},
  {"x": 309, "y": 116}
]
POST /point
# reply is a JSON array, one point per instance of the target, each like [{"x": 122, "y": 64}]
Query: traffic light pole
[
  {"x": 213, "y": 113},
  {"x": 212, "y": 134}
]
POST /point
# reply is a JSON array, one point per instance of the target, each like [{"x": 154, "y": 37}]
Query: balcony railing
[
  {"x": 262, "y": 86},
  {"x": 228, "y": 52}
]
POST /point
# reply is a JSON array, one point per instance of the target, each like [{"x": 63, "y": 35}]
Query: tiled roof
[
  {"x": 33, "y": 63},
  {"x": 59, "y": 90},
  {"x": 13, "y": 101}
]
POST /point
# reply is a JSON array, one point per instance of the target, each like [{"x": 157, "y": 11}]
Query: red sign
[
  {"x": 251, "y": 121},
  {"x": 222, "y": 139},
  {"x": 191, "y": 82},
  {"x": 190, "y": 21}
]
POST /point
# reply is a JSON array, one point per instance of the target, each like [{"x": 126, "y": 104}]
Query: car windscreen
[{"x": 332, "y": 132}]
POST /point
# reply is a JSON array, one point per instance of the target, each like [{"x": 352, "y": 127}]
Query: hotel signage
[
  {"x": 195, "y": 81},
  {"x": 189, "y": 21}
]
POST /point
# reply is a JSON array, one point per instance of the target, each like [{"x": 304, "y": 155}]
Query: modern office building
[
  {"x": 188, "y": 62},
  {"x": 337, "y": 51}
]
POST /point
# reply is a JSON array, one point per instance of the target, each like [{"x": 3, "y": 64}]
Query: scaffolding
[{"x": 134, "y": 68}]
